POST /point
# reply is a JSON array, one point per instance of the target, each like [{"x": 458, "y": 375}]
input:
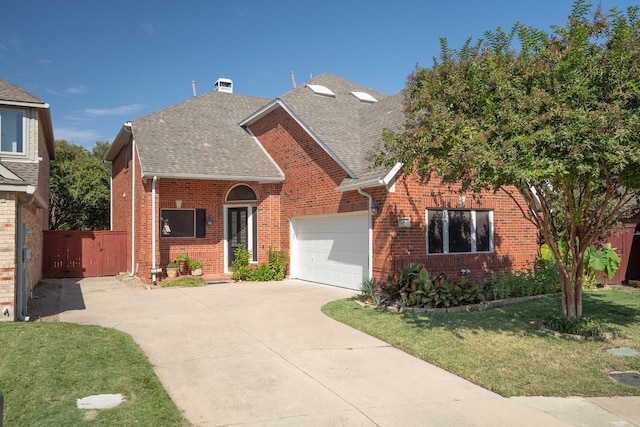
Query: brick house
[
  {"x": 222, "y": 169},
  {"x": 26, "y": 149}
]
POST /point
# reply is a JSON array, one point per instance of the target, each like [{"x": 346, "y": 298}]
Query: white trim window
[
  {"x": 12, "y": 131},
  {"x": 459, "y": 231}
]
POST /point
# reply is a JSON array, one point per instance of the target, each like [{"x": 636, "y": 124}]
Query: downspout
[
  {"x": 370, "y": 225},
  {"x": 111, "y": 198},
  {"x": 21, "y": 293},
  {"x": 133, "y": 203},
  {"x": 153, "y": 229}
]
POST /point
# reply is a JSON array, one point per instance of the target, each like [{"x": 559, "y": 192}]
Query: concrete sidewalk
[{"x": 264, "y": 355}]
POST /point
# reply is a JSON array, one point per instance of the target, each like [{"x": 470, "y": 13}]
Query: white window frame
[
  {"x": 25, "y": 115},
  {"x": 445, "y": 231}
]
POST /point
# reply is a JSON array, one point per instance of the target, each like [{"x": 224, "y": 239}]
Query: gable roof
[
  {"x": 337, "y": 114},
  {"x": 10, "y": 93},
  {"x": 208, "y": 137},
  {"x": 200, "y": 138}
]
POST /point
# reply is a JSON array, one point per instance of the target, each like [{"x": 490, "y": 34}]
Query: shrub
[
  {"x": 278, "y": 261},
  {"x": 261, "y": 273},
  {"x": 584, "y": 326},
  {"x": 274, "y": 270},
  {"x": 416, "y": 287},
  {"x": 367, "y": 290},
  {"x": 194, "y": 263},
  {"x": 544, "y": 280},
  {"x": 240, "y": 265}
]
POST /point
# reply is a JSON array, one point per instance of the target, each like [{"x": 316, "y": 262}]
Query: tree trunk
[{"x": 572, "y": 290}]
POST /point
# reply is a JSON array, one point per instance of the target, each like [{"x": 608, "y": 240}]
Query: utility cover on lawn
[
  {"x": 100, "y": 401},
  {"x": 623, "y": 351},
  {"x": 630, "y": 378}
]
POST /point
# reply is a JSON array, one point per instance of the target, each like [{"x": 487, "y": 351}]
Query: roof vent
[
  {"x": 321, "y": 90},
  {"x": 223, "y": 85},
  {"x": 364, "y": 97}
]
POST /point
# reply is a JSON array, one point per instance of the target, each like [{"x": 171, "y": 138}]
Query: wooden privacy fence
[
  {"x": 626, "y": 240},
  {"x": 84, "y": 253}
]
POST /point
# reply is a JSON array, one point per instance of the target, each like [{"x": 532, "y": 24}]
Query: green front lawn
[
  {"x": 502, "y": 350},
  {"x": 46, "y": 367}
]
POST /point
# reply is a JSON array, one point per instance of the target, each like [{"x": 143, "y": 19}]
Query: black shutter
[{"x": 201, "y": 222}]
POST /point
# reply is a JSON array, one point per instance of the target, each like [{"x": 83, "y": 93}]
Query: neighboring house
[
  {"x": 26, "y": 149},
  {"x": 221, "y": 170}
]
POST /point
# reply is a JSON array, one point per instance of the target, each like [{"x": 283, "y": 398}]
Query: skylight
[
  {"x": 321, "y": 90},
  {"x": 364, "y": 96}
]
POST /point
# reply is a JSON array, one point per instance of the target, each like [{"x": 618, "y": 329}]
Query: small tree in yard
[{"x": 554, "y": 123}]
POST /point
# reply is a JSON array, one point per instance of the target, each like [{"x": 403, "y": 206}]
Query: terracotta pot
[{"x": 172, "y": 272}]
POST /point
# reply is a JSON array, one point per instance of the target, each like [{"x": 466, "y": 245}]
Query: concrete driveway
[{"x": 263, "y": 354}]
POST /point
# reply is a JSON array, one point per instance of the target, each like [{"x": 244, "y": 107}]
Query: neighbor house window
[
  {"x": 459, "y": 231},
  {"x": 11, "y": 131},
  {"x": 183, "y": 223}
]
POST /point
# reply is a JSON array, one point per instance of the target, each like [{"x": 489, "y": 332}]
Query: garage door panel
[{"x": 332, "y": 249}]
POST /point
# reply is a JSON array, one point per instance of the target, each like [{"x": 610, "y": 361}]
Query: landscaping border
[{"x": 487, "y": 305}]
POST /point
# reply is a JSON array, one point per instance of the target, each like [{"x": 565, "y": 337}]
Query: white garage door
[{"x": 331, "y": 249}]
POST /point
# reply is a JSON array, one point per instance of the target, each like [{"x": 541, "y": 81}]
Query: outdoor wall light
[
  {"x": 375, "y": 209},
  {"x": 209, "y": 220}
]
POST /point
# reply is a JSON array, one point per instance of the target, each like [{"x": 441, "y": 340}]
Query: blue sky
[{"x": 101, "y": 63}]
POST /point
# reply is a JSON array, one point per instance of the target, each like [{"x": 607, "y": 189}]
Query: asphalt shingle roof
[
  {"x": 11, "y": 92},
  {"x": 201, "y": 138},
  {"x": 335, "y": 120}
]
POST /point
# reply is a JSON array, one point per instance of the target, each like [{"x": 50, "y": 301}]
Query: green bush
[
  {"x": 278, "y": 261},
  {"x": 274, "y": 270},
  {"x": 414, "y": 286},
  {"x": 544, "y": 280},
  {"x": 584, "y": 326},
  {"x": 261, "y": 273},
  {"x": 240, "y": 264}
]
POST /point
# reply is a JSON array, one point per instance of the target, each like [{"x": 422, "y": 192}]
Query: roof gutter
[
  {"x": 265, "y": 179},
  {"x": 388, "y": 180}
]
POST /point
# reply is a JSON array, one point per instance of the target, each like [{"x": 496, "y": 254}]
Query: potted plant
[
  {"x": 183, "y": 263},
  {"x": 195, "y": 266},
  {"x": 172, "y": 269}
]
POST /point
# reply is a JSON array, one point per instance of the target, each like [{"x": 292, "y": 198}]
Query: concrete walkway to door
[{"x": 263, "y": 354}]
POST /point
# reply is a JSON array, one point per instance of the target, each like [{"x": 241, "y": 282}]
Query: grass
[
  {"x": 185, "y": 282},
  {"x": 503, "y": 351},
  {"x": 46, "y": 367}
]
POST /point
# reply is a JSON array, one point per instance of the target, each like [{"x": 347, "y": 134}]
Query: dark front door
[{"x": 238, "y": 230}]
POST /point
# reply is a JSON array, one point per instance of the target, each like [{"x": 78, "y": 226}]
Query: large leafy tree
[
  {"x": 553, "y": 117},
  {"x": 79, "y": 188}
]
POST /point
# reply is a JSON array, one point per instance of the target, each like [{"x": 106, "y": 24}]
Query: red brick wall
[
  {"x": 311, "y": 177},
  {"x": 515, "y": 238},
  {"x": 121, "y": 196},
  {"x": 309, "y": 189}
]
